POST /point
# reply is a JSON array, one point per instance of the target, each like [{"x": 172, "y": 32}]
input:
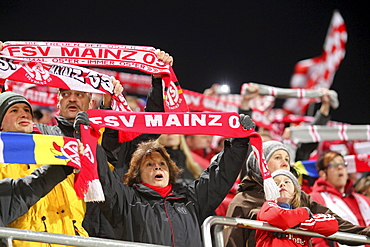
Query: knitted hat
[
  {"x": 7, "y": 99},
  {"x": 270, "y": 147},
  {"x": 289, "y": 175}
]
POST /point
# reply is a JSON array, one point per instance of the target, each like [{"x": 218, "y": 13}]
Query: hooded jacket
[
  {"x": 247, "y": 203},
  {"x": 350, "y": 205},
  {"x": 173, "y": 220},
  {"x": 321, "y": 187}
]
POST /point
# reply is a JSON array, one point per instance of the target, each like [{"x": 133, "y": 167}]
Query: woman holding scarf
[{"x": 154, "y": 209}]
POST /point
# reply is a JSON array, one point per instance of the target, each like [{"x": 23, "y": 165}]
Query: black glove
[
  {"x": 246, "y": 121},
  {"x": 81, "y": 118},
  {"x": 280, "y": 234}
]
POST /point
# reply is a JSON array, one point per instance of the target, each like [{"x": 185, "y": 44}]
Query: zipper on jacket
[
  {"x": 168, "y": 217},
  {"x": 169, "y": 221},
  {"x": 75, "y": 228}
]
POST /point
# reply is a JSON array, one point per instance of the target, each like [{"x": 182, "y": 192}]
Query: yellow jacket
[{"x": 60, "y": 211}]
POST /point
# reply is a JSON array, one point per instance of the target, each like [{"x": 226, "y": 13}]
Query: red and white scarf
[
  {"x": 317, "y": 133},
  {"x": 141, "y": 58},
  {"x": 216, "y": 123},
  {"x": 59, "y": 76},
  {"x": 293, "y": 93}
]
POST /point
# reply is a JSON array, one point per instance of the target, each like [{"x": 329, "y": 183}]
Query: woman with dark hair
[{"x": 154, "y": 208}]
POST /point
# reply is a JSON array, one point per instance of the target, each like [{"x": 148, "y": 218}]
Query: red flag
[{"x": 318, "y": 72}]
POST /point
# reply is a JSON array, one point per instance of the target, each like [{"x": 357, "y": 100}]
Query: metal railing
[
  {"x": 19, "y": 234},
  {"x": 219, "y": 222}
]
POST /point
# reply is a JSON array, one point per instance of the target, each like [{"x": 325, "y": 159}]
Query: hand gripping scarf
[
  {"x": 216, "y": 123},
  {"x": 141, "y": 58},
  {"x": 292, "y": 93}
]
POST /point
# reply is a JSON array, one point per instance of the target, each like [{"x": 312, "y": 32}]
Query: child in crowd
[{"x": 286, "y": 213}]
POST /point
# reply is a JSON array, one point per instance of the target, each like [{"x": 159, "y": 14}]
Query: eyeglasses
[{"x": 345, "y": 164}]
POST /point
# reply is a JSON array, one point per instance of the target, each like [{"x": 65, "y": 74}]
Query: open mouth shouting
[{"x": 73, "y": 107}]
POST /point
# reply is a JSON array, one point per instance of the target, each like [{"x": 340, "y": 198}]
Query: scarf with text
[
  {"x": 205, "y": 123},
  {"x": 60, "y": 76},
  {"x": 141, "y": 58}
]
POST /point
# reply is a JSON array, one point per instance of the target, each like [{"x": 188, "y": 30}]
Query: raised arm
[{"x": 18, "y": 195}]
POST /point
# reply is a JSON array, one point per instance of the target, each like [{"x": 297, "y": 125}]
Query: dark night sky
[{"x": 212, "y": 41}]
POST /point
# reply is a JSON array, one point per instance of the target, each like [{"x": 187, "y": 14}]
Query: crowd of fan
[{"x": 159, "y": 188}]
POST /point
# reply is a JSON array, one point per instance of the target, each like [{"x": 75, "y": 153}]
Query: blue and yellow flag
[
  {"x": 23, "y": 148},
  {"x": 306, "y": 167}
]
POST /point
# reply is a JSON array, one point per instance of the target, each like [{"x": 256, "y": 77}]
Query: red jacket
[
  {"x": 271, "y": 213},
  {"x": 322, "y": 186}
]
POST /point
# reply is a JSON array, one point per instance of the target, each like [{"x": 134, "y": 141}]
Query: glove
[
  {"x": 246, "y": 121},
  {"x": 280, "y": 234},
  {"x": 81, "y": 118}
]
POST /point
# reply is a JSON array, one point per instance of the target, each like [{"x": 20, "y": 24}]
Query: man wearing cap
[{"x": 17, "y": 196}]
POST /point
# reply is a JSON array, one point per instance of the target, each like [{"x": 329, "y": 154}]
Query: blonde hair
[{"x": 296, "y": 201}]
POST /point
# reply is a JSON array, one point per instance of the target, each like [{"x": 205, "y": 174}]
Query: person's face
[
  {"x": 199, "y": 141},
  {"x": 279, "y": 160},
  {"x": 71, "y": 102},
  {"x": 286, "y": 188},
  {"x": 336, "y": 173},
  {"x": 18, "y": 118},
  {"x": 172, "y": 141},
  {"x": 154, "y": 170}
]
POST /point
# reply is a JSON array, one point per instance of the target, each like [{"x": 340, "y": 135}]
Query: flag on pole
[{"x": 318, "y": 72}]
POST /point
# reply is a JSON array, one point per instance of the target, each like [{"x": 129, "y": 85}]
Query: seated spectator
[{"x": 335, "y": 190}]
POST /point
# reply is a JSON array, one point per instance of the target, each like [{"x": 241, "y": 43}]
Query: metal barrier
[
  {"x": 217, "y": 221},
  {"x": 11, "y": 233}
]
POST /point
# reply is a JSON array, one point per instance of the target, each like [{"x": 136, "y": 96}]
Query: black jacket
[
  {"x": 118, "y": 154},
  {"x": 174, "y": 220}
]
